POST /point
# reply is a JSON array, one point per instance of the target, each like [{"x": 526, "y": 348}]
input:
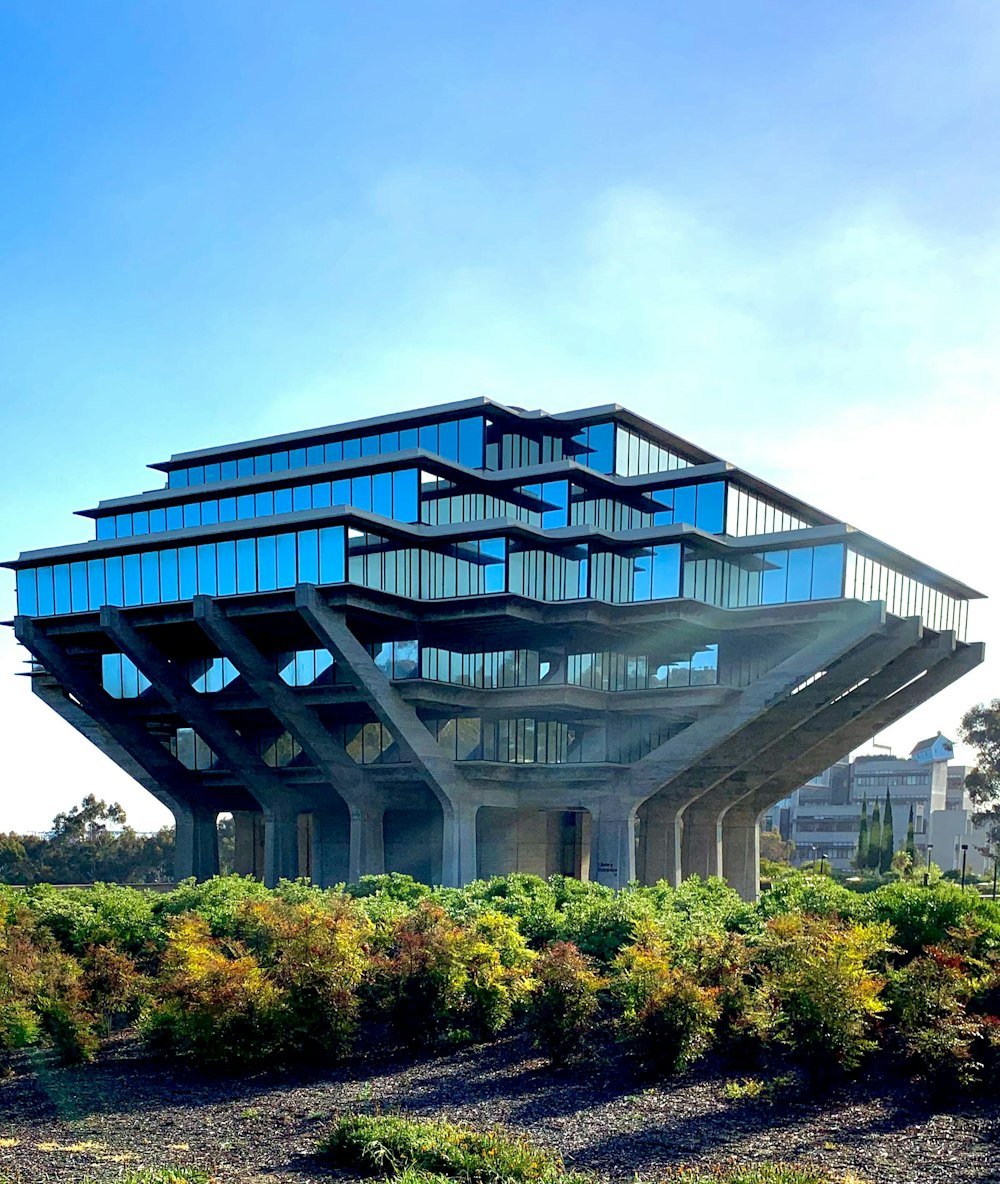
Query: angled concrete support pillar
[
  {"x": 741, "y": 849},
  {"x": 660, "y": 841},
  {"x": 458, "y": 863},
  {"x": 196, "y": 842},
  {"x": 702, "y": 841},
  {"x": 612, "y": 843},
  {"x": 248, "y": 826},
  {"x": 367, "y": 839},
  {"x": 281, "y": 842}
]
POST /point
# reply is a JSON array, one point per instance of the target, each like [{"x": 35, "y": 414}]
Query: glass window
[
  {"x": 212, "y": 473},
  {"x": 111, "y": 674},
  {"x": 262, "y": 463},
  {"x": 308, "y": 548},
  {"x": 263, "y": 504},
  {"x": 46, "y": 602},
  {"x": 428, "y": 437},
  {"x": 666, "y": 571},
  {"x": 246, "y": 565},
  {"x": 448, "y": 440},
  {"x": 828, "y": 569},
  {"x": 123, "y": 525},
  {"x": 301, "y": 498},
  {"x": 188, "y": 563},
  {"x": 176, "y": 478},
  {"x": 27, "y": 592},
  {"x": 408, "y": 438},
  {"x": 207, "y": 576},
  {"x": 331, "y": 555},
  {"x": 227, "y": 509},
  {"x": 279, "y": 461},
  {"x": 157, "y": 520},
  {"x": 150, "y": 563},
  {"x": 342, "y": 492},
  {"x": 209, "y": 513},
  {"x": 228, "y": 470},
  {"x": 382, "y": 494},
  {"x": 114, "y": 576},
  {"x": 296, "y": 458},
  {"x": 245, "y": 466},
  {"x": 175, "y": 517},
  {"x": 361, "y": 493},
  {"x": 245, "y": 506},
  {"x": 775, "y": 577},
  {"x": 314, "y": 454},
  {"x": 133, "y": 579},
  {"x": 601, "y": 441},
  {"x": 684, "y": 499},
  {"x": 470, "y": 442},
  {"x": 352, "y": 448},
  {"x": 196, "y": 475},
  {"x": 322, "y": 493},
  {"x": 267, "y": 564},
  {"x": 192, "y": 514},
  {"x": 106, "y": 528},
  {"x": 62, "y": 596},
  {"x": 286, "y": 560},
  {"x": 333, "y": 451},
  {"x": 226, "y": 560},
  {"x": 711, "y": 507},
  {"x": 389, "y": 442},
  {"x": 168, "y": 575},
  {"x": 799, "y": 573}
]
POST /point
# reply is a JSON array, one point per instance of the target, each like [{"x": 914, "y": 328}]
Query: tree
[
  {"x": 861, "y": 859},
  {"x": 911, "y": 842},
  {"x": 775, "y": 848},
  {"x": 875, "y": 840},
  {"x": 888, "y": 846},
  {"x": 980, "y": 728},
  {"x": 87, "y": 822}
]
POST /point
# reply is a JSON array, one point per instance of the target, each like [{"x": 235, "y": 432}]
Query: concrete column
[
  {"x": 458, "y": 854},
  {"x": 741, "y": 849},
  {"x": 612, "y": 847},
  {"x": 196, "y": 842},
  {"x": 281, "y": 843},
  {"x": 248, "y": 858},
  {"x": 660, "y": 842},
  {"x": 701, "y": 845},
  {"x": 367, "y": 839}
]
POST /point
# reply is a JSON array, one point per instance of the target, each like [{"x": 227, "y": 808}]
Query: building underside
[{"x": 612, "y": 677}]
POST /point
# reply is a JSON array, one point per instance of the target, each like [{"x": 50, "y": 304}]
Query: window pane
[
  {"x": 279, "y": 462},
  {"x": 711, "y": 499},
  {"x": 333, "y": 452},
  {"x": 150, "y": 577},
  {"x": 228, "y": 470},
  {"x": 226, "y": 560},
  {"x": 308, "y": 548},
  {"x": 46, "y": 603},
  {"x": 106, "y": 528},
  {"x": 666, "y": 571},
  {"x": 301, "y": 498},
  {"x": 331, "y": 555},
  {"x": 601, "y": 439},
  {"x": 115, "y": 580},
  {"x": 296, "y": 458},
  {"x": 207, "y": 578},
  {"x": 314, "y": 454},
  {"x": 404, "y": 495},
  {"x": 227, "y": 509},
  {"x": 382, "y": 494},
  {"x": 187, "y": 560},
  {"x": 773, "y": 583},
  {"x": 286, "y": 560},
  {"x": 267, "y": 564},
  {"x": 62, "y": 596},
  {"x": 209, "y": 513},
  {"x": 27, "y": 592},
  {"x": 168, "y": 575},
  {"x": 157, "y": 520},
  {"x": 263, "y": 504},
  {"x": 245, "y": 466},
  {"x": 684, "y": 502},
  {"x": 246, "y": 565},
  {"x": 799, "y": 573},
  {"x": 321, "y": 495},
  {"x": 212, "y": 473},
  {"x": 175, "y": 517},
  {"x": 828, "y": 568},
  {"x": 133, "y": 579},
  {"x": 352, "y": 448},
  {"x": 470, "y": 442},
  {"x": 448, "y": 440}
]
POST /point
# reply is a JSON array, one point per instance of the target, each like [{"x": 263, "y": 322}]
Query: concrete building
[
  {"x": 476, "y": 639},
  {"x": 825, "y": 813}
]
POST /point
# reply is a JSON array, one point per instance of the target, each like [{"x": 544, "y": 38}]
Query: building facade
[
  {"x": 824, "y": 815},
  {"x": 476, "y": 639}
]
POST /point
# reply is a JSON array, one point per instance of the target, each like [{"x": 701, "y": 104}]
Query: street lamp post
[
  {"x": 965, "y": 848},
  {"x": 812, "y": 848},
  {"x": 822, "y": 864},
  {"x": 996, "y": 858},
  {"x": 927, "y": 870}
]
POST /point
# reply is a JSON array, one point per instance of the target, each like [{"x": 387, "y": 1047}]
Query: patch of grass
[
  {"x": 743, "y": 1089},
  {"x": 762, "y": 1173},
  {"x": 388, "y": 1144}
]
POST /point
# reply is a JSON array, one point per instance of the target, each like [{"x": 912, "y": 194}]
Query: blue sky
[{"x": 772, "y": 227}]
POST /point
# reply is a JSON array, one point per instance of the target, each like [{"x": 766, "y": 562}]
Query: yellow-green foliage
[
  {"x": 758, "y": 1173},
  {"x": 668, "y": 1018},
  {"x": 388, "y": 1144},
  {"x": 820, "y": 972}
]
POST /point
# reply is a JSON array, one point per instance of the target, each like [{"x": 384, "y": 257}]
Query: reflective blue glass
[
  {"x": 78, "y": 586},
  {"x": 775, "y": 578},
  {"x": 404, "y": 495},
  {"x": 382, "y": 494},
  {"x": 213, "y": 473},
  {"x": 207, "y": 578},
  {"x": 321, "y": 495},
  {"x": 245, "y": 466},
  {"x": 123, "y": 525},
  {"x": 157, "y": 520},
  {"x": 301, "y": 498},
  {"x": 352, "y": 448},
  {"x": 209, "y": 513},
  {"x": 342, "y": 492},
  {"x": 334, "y": 451},
  {"x": 62, "y": 597},
  {"x": 229, "y": 470},
  {"x": 245, "y": 506},
  {"x": 314, "y": 454},
  {"x": 187, "y": 560},
  {"x": 799, "y": 573},
  {"x": 27, "y": 592},
  {"x": 196, "y": 475},
  {"x": 227, "y": 509},
  {"x": 96, "y": 589},
  {"x": 177, "y": 478},
  {"x": 684, "y": 499},
  {"x": 711, "y": 506},
  {"x": 308, "y": 548},
  {"x": 168, "y": 575},
  {"x": 666, "y": 571},
  {"x": 828, "y": 572},
  {"x": 175, "y": 517},
  {"x": 389, "y": 442},
  {"x": 111, "y": 674},
  {"x": 132, "y": 568},
  {"x": 263, "y": 504},
  {"x": 361, "y": 493},
  {"x": 470, "y": 442},
  {"x": 115, "y": 579},
  {"x": 279, "y": 462},
  {"x": 642, "y": 577},
  {"x": 267, "y": 564},
  {"x": 428, "y": 437},
  {"x": 369, "y": 445},
  {"x": 226, "y": 563},
  {"x": 601, "y": 440},
  {"x": 150, "y": 564},
  {"x": 556, "y": 493},
  {"x": 46, "y": 602},
  {"x": 246, "y": 565},
  {"x": 286, "y": 560},
  {"x": 331, "y": 555},
  {"x": 408, "y": 438},
  {"x": 262, "y": 463},
  {"x": 192, "y": 514},
  {"x": 448, "y": 440},
  {"x": 296, "y": 458},
  {"x": 106, "y": 528}
]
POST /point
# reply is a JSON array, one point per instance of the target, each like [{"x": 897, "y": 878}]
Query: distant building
[{"x": 824, "y": 814}]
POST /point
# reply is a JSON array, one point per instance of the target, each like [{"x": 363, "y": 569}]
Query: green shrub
[
  {"x": 819, "y": 971},
  {"x": 758, "y": 1173},
  {"x": 923, "y": 917},
  {"x": 565, "y": 1001},
  {"x": 387, "y": 1144},
  {"x": 602, "y": 921},
  {"x": 747, "y": 1006},
  {"x": 817, "y": 895},
  {"x": 668, "y": 1018},
  {"x": 218, "y": 901}
]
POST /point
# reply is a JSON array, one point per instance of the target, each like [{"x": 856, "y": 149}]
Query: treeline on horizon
[{"x": 230, "y": 974}]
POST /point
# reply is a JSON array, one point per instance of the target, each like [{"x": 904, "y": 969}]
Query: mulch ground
[{"x": 125, "y": 1112}]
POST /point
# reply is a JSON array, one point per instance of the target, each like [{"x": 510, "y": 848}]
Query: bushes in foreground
[{"x": 231, "y": 974}]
